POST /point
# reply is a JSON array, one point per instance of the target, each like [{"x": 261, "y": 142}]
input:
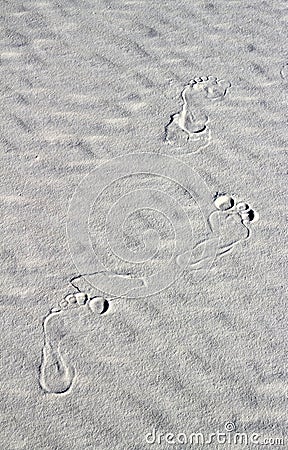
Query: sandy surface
[{"x": 83, "y": 82}]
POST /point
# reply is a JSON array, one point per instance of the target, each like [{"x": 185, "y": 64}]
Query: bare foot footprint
[
  {"x": 56, "y": 376},
  {"x": 192, "y": 120},
  {"x": 231, "y": 232}
]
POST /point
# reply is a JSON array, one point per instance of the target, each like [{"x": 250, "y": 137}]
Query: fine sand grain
[{"x": 143, "y": 224}]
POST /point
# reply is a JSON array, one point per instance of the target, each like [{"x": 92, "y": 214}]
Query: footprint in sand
[
  {"x": 235, "y": 227},
  {"x": 56, "y": 376},
  {"x": 190, "y": 124}
]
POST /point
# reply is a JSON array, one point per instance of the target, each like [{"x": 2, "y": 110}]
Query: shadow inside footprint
[{"x": 284, "y": 72}]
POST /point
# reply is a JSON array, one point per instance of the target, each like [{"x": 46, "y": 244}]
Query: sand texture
[{"x": 143, "y": 224}]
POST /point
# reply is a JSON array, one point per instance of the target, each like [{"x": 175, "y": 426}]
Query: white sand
[{"x": 86, "y": 81}]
